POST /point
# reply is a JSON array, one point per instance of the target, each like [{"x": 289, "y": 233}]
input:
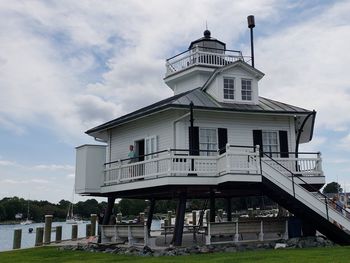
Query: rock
[
  {"x": 147, "y": 249},
  {"x": 204, "y": 250},
  {"x": 292, "y": 241},
  {"x": 230, "y": 249},
  {"x": 280, "y": 245}
]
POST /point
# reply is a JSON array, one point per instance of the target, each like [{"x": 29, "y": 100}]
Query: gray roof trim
[{"x": 203, "y": 101}]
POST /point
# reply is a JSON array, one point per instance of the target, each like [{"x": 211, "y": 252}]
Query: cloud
[
  {"x": 53, "y": 167},
  {"x": 305, "y": 64},
  {"x": 70, "y": 176},
  {"x": 344, "y": 143},
  {"x": 83, "y": 63},
  {"x": 7, "y": 163}
]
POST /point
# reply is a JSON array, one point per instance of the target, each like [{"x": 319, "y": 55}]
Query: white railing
[
  {"x": 298, "y": 166},
  {"x": 198, "y": 56},
  {"x": 234, "y": 160},
  {"x": 312, "y": 200}
]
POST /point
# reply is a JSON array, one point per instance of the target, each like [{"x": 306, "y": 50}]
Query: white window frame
[
  {"x": 151, "y": 146},
  {"x": 208, "y": 143},
  {"x": 251, "y": 90},
  {"x": 234, "y": 88},
  {"x": 277, "y": 145}
]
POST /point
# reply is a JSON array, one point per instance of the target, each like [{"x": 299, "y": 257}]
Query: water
[{"x": 28, "y": 239}]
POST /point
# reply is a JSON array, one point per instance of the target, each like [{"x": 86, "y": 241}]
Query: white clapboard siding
[
  {"x": 160, "y": 125},
  {"x": 240, "y": 126}
]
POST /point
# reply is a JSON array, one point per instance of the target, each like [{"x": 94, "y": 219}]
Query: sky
[{"x": 67, "y": 66}]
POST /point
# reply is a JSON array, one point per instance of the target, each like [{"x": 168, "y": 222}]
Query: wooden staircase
[{"x": 306, "y": 205}]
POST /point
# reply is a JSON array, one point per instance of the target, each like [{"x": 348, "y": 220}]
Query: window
[
  {"x": 229, "y": 88},
  {"x": 207, "y": 141},
  {"x": 270, "y": 142},
  {"x": 246, "y": 89}
]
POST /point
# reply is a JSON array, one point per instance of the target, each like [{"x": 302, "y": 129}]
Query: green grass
[{"x": 51, "y": 254}]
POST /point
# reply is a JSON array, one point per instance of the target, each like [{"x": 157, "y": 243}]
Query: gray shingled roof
[{"x": 202, "y": 100}]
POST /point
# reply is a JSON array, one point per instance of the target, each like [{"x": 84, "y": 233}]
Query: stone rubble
[{"x": 302, "y": 242}]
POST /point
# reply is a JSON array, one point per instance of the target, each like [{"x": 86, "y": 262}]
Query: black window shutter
[
  {"x": 194, "y": 134},
  {"x": 222, "y": 134},
  {"x": 257, "y": 139},
  {"x": 284, "y": 144}
]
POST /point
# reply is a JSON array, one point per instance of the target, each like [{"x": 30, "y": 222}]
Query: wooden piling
[
  {"x": 220, "y": 215},
  {"x": 119, "y": 217},
  {"x": 39, "y": 236},
  {"x": 58, "y": 234},
  {"x": 74, "y": 232},
  {"x": 88, "y": 230},
  {"x": 93, "y": 218},
  {"x": 17, "y": 238},
  {"x": 142, "y": 218},
  {"x": 47, "y": 231},
  {"x": 194, "y": 217},
  {"x": 169, "y": 215}
]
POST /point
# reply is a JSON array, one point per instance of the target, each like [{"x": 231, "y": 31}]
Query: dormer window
[
  {"x": 246, "y": 89},
  {"x": 229, "y": 88}
]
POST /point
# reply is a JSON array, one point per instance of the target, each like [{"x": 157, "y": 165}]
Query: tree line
[{"x": 10, "y": 206}]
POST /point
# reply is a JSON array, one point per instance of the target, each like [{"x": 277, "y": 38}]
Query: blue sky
[{"x": 66, "y": 66}]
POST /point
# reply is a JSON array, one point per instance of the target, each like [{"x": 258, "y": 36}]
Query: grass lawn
[{"x": 51, "y": 254}]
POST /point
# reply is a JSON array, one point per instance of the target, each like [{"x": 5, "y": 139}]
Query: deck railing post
[
  {"x": 258, "y": 159},
  {"x": 228, "y": 152},
  {"x": 196, "y": 60},
  {"x": 170, "y": 156},
  {"x": 319, "y": 163},
  {"x": 119, "y": 169}
]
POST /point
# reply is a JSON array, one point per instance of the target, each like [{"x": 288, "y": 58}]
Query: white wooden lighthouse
[{"x": 215, "y": 138}]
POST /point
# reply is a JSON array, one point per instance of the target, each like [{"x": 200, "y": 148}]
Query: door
[{"x": 150, "y": 147}]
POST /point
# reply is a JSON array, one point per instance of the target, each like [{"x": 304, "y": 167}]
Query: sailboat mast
[{"x": 28, "y": 210}]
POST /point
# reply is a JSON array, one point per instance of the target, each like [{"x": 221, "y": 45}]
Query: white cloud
[
  {"x": 7, "y": 163},
  {"x": 344, "y": 143},
  {"x": 53, "y": 167},
  {"x": 52, "y": 56},
  {"x": 314, "y": 145},
  {"x": 70, "y": 176},
  {"x": 307, "y": 65}
]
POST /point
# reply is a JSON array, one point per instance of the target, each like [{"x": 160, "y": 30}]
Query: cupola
[{"x": 193, "y": 67}]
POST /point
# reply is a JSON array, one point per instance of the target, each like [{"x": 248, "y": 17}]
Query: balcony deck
[
  {"x": 173, "y": 167},
  {"x": 199, "y": 56}
]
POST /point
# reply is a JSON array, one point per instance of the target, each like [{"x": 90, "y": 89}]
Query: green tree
[{"x": 332, "y": 187}]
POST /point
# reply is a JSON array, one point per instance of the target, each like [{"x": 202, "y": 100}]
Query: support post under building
[
  {"x": 212, "y": 206},
  {"x": 109, "y": 210},
  {"x": 150, "y": 215},
  {"x": 180, "y": 217},
  {"x": 229, "y": 209}
]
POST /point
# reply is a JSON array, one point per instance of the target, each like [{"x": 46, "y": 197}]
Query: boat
[
  {"x": 71, "y": 218},
  {"x": 27, "y": 221}
]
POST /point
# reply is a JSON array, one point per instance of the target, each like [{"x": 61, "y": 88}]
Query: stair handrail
[{"x": 327, "y": 200}]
